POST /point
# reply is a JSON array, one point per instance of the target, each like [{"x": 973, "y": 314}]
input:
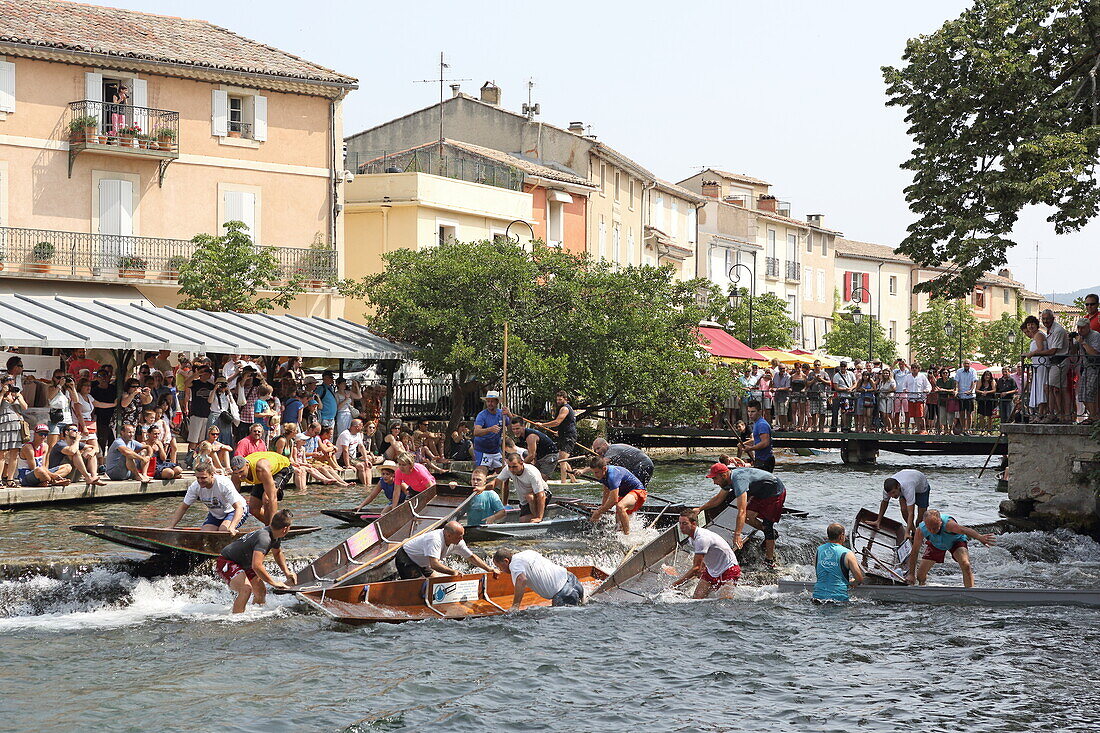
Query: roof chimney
[
  {"x": 712, "y": 189},
  {"x": 766, "y": 203},
  {"x": 577, "y": 127},
  {"x": 490, "y": 93},
  {"x": 454, "y": 89},
  {"x": 815, "y": 219},
  {"x": 1005, "y": 272}
]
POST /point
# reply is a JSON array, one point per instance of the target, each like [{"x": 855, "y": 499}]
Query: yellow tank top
[{"x": 276, "y": 461}]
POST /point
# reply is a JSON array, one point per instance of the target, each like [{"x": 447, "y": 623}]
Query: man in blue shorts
[
  {"x": 911, "y": 488},
  {"x": 489, "y": 432},
  {"x": 836, "y": 566},
  {"x": 942, "y": 534},
  {"x": 623, "y": 492},
  {"x": 227, "y": 510}
]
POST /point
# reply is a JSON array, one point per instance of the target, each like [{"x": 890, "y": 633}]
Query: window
[
  {"x": 631, "y": 195},
  {"x": 630, "y": 244},
  {"x": 447, "y": 233},
  {"x": 1005, "y": 292},
  {"x": 616, "y": 243},
  {"x": 673, "y": 217},
  {"x": 824, "y": 246},
  {"x": 603, "y": 239},
  {"x": 240, "y": 203},
  {"x": 692, "y": 224},
  {"x": 893, "y": 331},
  {"x": 893, "y": 286},
  {"x": 792, "y": 306},
  {"x": 792, "y": 247},
  {"x": 238, "y": 114},
  {"x": 616, "y": 185},
  {"x": 554, "y": 223},
  {"x": 821, "y": 286},
  {"x": 498, "y": 235},
  {"x": 771, "y": 243},
  {"x": 808, "y": 278},
  {"x": 7, "y": 88},
  {"x": 719, "y": 265},
  {"x": 603, "y": 179},
  {"x": 979, "y": 297},
  {"x": 659, "y": 211},
  {"x": 809, "y": 243}
]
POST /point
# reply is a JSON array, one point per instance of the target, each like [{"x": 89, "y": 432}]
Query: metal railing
[
  {"x": 57, "y": 254},
  {"x": 794, "y": 271},
  {"x": 144, "y": 130},
  {"x": 771, "y": 266},
  {"x": 240, "y": 129},
  {"x": 454, "y": 163}
]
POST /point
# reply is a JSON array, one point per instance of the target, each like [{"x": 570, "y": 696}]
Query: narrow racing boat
[
  {"x": 448, "y": 596},
  {"x": 179, "y": 540},
  {"x": 957, "y": 594},
  {"x": 559, "y": 519}
]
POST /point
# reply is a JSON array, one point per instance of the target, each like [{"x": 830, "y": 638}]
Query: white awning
[
  {"x": 69, "y": 323},
  {"x": 560, "y": 197}
]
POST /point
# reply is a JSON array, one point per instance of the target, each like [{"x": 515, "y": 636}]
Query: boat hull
[
  {"x": 397, "y": 601},
  {"x": 558, "y": 520},
  {"x": 942, "y": 594},
  {"x": 189, "y": 541}
]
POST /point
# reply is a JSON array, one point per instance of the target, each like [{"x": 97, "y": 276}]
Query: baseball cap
[
  {"x": 236, "y": 463},
  {"x": 717, "y": 469},
  {"x": 41, "y": 428}
]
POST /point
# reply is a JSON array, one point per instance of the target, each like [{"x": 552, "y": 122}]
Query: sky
[{"x": 790, "y": 92}]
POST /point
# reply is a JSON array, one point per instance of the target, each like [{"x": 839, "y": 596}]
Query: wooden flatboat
[
  {"x": 192, "y": 541},
  {"x": 559, "y": 519},
  {"x": 882, "y": 551},
  {"x": 956, "y": 594},
  {"x": 366, "y": 515},
  {"x": 367, "y": 555},
  {"x": 448, "y": 597}
]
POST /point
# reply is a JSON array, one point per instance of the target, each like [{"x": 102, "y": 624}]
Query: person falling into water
[
  {"x": 836, "y": 567},
  {"x": 241, "y": 563},
  {"x": 623, "y": 492},
  {"x": 942, "y": 534},
  {"x": 715, "y": 561}
]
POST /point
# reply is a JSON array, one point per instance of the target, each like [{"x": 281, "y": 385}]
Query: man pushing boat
[
  {"x": 529, "y": 569},
  {"x": 241, "y": 563},
  {"x": 422, "y": 557},
  {"x": 266, "y": 474},
  {"x": 759, "y": 497},
  {"x": 836, "y": 566},
  {"x": 911, "y": 488},
  {"x": 623, "y": 492},
  {"x": 715, "y": 561},
  {"x": 226, "y": 508},
  {"x": 942, "y": 534}
]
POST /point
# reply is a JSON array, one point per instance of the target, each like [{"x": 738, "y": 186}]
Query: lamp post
[
  {"x": 857, "y": 318},
  {"x": 949, "y": 329},
  {"x": 515, "y": 237},
  {"x": 735, "y": 292}
]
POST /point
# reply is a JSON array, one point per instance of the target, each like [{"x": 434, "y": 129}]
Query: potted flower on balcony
[
  {"x": 128, "y": 133},
  {"x": 166, "y": 136},
  {"x": 41, "y": 255},
  {"x": 83, "y": 128},
  {"x": 131, "y": 266},
  {"x": 174, "y": 266}
]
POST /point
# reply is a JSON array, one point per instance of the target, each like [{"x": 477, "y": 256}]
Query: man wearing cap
[
  {"x": 488, "y": 433},
  {"x": 32, "y": 467},
  {"x": 266, "y": 475},
  {"x": 759, "y": 497},
  {"x": 1088, "y": 344},
  {"x": 966, "y": 379}
]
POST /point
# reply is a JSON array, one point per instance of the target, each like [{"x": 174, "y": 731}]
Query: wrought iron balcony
[
  {"x": 237, "y": 128},
  {"x": 794, "y": 271},
  {"x": 771, "y": 266},
  {"x": 58, "y": 255},
  {"x": 122, "y": 129}
]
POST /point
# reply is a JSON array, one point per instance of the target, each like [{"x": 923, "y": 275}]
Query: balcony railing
[
  {"x": 49, "y": 254},
  {"x": 794, "y": 271},
  {"x": 240, "y": 129},
  {"x": 455, "y": 163},
  {"x": 123, "y": 129},
  {"x": 771, "y": 266}
]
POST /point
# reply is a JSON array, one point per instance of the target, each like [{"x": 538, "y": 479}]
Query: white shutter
[
  {"x": 116, "y": 207},
  {"x": 219, "y": 113},
  {"x": 139, "y": 97},
  {"x": 658, "y": 209},
  {"x": 93, "y": 87},
  {"x": 820, "y": 286},
  {"x": 718, "y": 269},
  {"x": 808, "y": 279},
  {"x": 259, "y": 118},
  {"x": 240, "y": 206},
  {"x": 7, "y": 86}
]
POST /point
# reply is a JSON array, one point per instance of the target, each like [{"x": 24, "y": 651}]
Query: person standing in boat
[
  {"x": 531, "y": 488},
  {"x": 529, "y": 569},
  {"x": 760, "y": 445},
  {"x": 422, "y": 557},
  {"x": 489, "y": 428},
  {"x": 564, "y": 425},
  {"x": 942, "y": 534},
  {"x": 715, "y": 562},
  {"x": 542, "y": 451},
  {"x": 759, "y": 497},
  {"x": 836, "y": 566},
  {"x": 241, "y": 563},
  {"x": 627, "y": 456},
  {"x": 623, "y": 492},
  {"x": 226, "y": 508},
  {"x": 911, "y": 488}
]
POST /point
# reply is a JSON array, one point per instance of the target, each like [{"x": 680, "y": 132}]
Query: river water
[{"x": 87, "y": 644}]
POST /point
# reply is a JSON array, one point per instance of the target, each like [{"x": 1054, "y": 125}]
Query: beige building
[
  {"x": 671, "y": 230},
  {"x": 124, "y": 134}
]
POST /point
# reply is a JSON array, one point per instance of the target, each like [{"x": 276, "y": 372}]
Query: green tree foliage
[
  {"x": 772, "y": 325},
  {"x": 613, "y": 337},
  {"x": 995, "y": 344},
  {"x": 226, "y": 273},
  {"x": 848, "y": 338},
  {"x": 929, "y": 340},
  {"x": 1003, "y": 111}
]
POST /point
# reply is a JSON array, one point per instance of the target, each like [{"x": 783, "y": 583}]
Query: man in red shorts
[
  {"x": 623, "y": 492},
  {"x": 715, "y": 561},
  {"x": 916, "y": 387},
  {"x": 241, "y": 563},
  {"x": 942, "y": 534}
]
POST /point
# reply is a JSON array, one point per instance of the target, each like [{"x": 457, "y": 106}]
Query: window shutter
[
  {"x": 139, "y": 97},
  {"x": 7, "y": 86},
  {"x": 219, "y": 113},
  {"x": 866, "y": 285},
  {"x": 93, "y": 87},
  {"x": 259, "y": 118},
  {"x": 847, "y": 286}
]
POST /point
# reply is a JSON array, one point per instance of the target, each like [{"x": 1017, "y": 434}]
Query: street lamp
[
  {"x": 949, "y": 329},
  {"x": 735, "y": 292},
  {"x": 857, "y": 318}
]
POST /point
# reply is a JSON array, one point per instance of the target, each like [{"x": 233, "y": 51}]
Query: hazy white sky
[{"x": 790, "y": 92}]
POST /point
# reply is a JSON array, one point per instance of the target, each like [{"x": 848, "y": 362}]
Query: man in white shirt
[
  {"x": 422, "y": 556},
  {"x": 916, "y": 387},
  {"x": 1056, "y": 352},
  {"x": 966, "y": 380},
  {"x": 715, "y": 561},
  {"x": 530, "y": 569},
  {"x": 911, "y": 488},
  {"x": 227, "y": 509},
  {"x": 531, "y": 488},
  {"x": 351, "y": 452}
]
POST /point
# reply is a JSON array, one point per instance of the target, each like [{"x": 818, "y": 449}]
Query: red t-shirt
[
  {"x": 1094, "y": 321},
  {"x": 91, "y": 365}
]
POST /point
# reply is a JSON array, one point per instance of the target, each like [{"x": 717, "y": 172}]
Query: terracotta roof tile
[
  {"x": 741, "y": 177},
  {"x": 142, "y": 36},
  {"x": 523, "y": 163},
  {"x": 852, "y": 248}
]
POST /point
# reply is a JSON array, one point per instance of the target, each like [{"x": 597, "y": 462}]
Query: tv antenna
[
  {"x": 529, "y": 109},
  {"x": 1037, "y": 258},
  {"x": 443, "y": 66}
]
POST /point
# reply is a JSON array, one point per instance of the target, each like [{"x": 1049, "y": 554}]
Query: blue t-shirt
[
  {"x": 261, "y": 406},
  {"x": 482, "y": 506},
  {"x": 387, "y": 488},
  {"x": 328, "y": 401},
  {"x": 115, "y": 459},
  {"x": 761, "y": 427},
  {"x": 490, "y": 442},
  {"x": 942, "y": 540},
  {"x": 292, "y": 411},
  {"x": 832, "y": 573},
  {"x": 619, "y": 478}
]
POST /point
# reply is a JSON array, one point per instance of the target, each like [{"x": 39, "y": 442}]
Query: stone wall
[{"x": 1053, "y": 473}]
